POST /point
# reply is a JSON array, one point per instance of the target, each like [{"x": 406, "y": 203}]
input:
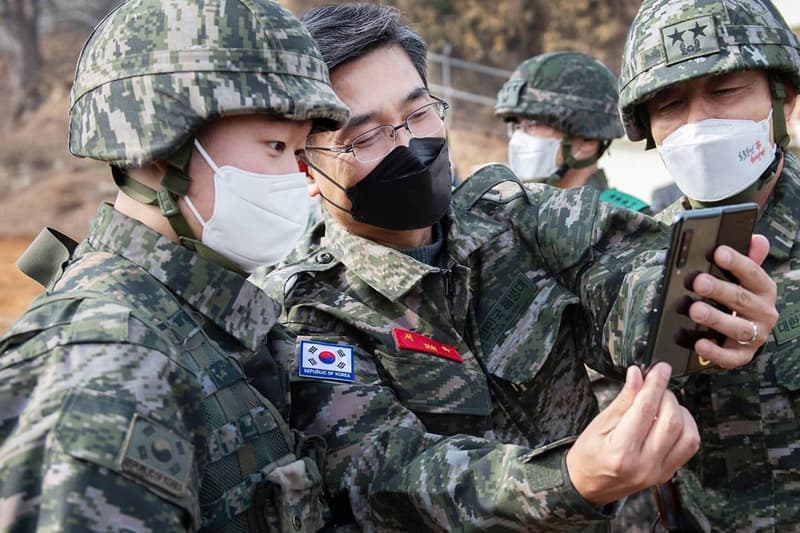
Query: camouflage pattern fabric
[
  {"x": 597, "y": 180},
  {"x": 420, "y": 440},
  {"x": 569, "y": 91},
  {"x": 147, "y": 391},
  {"x": 671, "y": 41},
  {"x": 154, "y": 71},
  {"x": 746, "y": 476}
]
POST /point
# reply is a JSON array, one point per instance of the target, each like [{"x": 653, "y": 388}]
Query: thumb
[{"x": 759, "y": 248}]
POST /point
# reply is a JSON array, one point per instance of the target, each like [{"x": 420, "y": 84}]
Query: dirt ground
[{"x": 16, "y": 290}]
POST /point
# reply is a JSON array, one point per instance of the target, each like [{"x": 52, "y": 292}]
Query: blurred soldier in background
[
  {"x": 146, "y": 389},
  {"x": 710, "y": 85},
  {"x": 561, "y": 110},
  {"x": 441, "y": 333}
]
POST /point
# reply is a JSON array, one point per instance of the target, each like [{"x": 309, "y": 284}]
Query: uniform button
[
  {"x": 324, "y": 258},
  {"x": 297, "y": 524}
]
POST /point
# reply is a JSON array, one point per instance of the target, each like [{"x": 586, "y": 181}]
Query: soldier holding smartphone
[{"x": 710, "y": 85}]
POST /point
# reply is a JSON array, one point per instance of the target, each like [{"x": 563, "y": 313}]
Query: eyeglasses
[
  {"x": 375, "y": 143},
  {"x": 525, "y": 125}
]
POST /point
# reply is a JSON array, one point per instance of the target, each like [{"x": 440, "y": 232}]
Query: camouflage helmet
[
  {"x": 569, "y": 91},
  {"x": 671, "y": 41},
  {"x": 154, "y": 71}
]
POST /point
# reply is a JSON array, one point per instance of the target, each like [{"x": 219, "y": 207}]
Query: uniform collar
[
  {"x": 228, "y": 299},
  {"x": 390, "y": 272},
  {"x": 393, "y": 273},
  {"x": 598, "y": 180},
  {"x": 781, "y": 219}
]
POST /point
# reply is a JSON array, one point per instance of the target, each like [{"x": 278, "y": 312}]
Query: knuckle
[
  {"x": 743, "y": 298},
  {"x": 674, "y": 423},
  {"x": 617, "y": 464},
  {"x": 772, "y": 288},
  {"x": 771, "y": 317},
  {"x": 752, "y": 271},
  {"x": 642, "y": 478},
  {"x": 745, "y": 332},
  {"x": 667, "y": 475}
]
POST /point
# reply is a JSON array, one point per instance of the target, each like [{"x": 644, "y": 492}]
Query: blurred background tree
[{"x": 23, "y": 24}]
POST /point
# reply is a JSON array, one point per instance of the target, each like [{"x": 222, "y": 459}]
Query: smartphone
[{"x": 695, "y": 236}]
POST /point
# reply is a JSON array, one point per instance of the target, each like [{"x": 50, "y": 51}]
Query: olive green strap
[
  {"x": 44, "y": 259},
  {"x": 207, "y": 253},
  {"x": 571, "y": 162},
  {"x": 778, "y": 117},
  {"x": 175, "y": 184}
]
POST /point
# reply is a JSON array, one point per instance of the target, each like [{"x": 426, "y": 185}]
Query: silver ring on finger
[{"x": 752, "y": 339}]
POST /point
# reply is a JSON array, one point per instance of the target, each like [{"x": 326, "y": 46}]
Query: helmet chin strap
[
  {"x": 174, "y": 184},
  {"x": 778, "y": 90},
  {"x": 571, "y": 162}
]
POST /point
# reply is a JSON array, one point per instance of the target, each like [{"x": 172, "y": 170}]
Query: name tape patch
[
  {"x": 788, "y": 326},
  {"x": 322, "y": 360},
  {"x": 408, "y": 340}
]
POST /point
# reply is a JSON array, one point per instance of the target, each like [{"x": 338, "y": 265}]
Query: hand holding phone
[{"x": 695, "y": 236}]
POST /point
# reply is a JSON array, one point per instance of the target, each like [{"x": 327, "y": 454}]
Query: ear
[
  {"x": 311, "y": 183},
  {"x": 790, "y": 100}
]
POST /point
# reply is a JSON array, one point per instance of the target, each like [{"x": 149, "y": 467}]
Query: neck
[
  {"x": 399, "y": 240},
  {"x": 764, "y": 194},
  {"x": 149, "y": 215},
  {"x": 576, "y": 177}
]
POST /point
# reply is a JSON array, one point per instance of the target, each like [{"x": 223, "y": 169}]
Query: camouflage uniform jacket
[
  {"x": 124, "y": 403},
  {"x": 746, "y": 476},
  {"x": 420, "y": 438},
  {"x": 597, "y": 180}
]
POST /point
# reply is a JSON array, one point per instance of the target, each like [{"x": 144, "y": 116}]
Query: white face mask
[
  {"x": 532, "y": 157},
  {"x": 715, "y": 159},
  {"x": 257, "y": 218}
]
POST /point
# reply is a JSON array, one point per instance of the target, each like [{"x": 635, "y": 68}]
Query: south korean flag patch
[{"x": 322, "y": 360}]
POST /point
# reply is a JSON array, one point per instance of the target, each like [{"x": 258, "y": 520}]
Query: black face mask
[{"x": 409, "y": 189}]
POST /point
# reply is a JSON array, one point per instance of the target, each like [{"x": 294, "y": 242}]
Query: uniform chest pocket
[
  {"x": 442, "y": 393},
  {"x": 538, "y": 375},
  {"x": 517, "y": 344}
]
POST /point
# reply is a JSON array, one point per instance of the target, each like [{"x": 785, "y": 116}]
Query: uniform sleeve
[
  {"x": 96, "y": 437},
  {"x": 386, "y": 472},
  {"x": 610, "y": 257}
]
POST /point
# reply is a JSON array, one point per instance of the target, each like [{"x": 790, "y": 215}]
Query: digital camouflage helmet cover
[
  {"x": 671, "y": 41},
  {"x": 153, "y": 72}
]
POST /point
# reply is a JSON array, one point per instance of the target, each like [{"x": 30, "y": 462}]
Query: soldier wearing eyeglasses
[{"x": 441, "y": 335}]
